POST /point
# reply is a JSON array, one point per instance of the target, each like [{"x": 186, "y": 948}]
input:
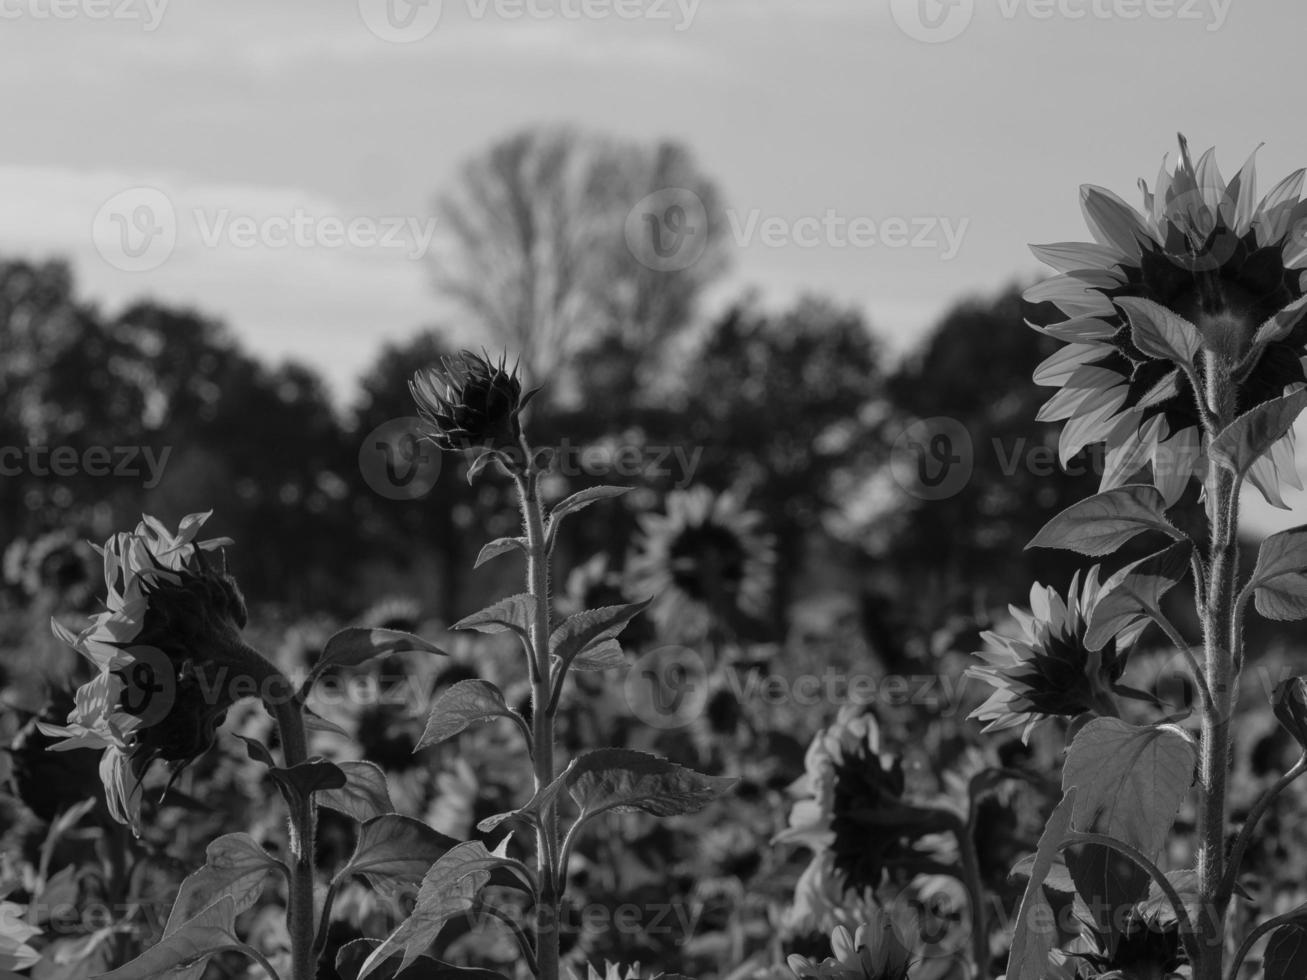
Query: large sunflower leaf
[
  {"x": 1251, "y": 435},
  {"x": 1129, "y": 782},
  {"x": 1280, "y": 577},
  {"x": 1103, "y": 523},
  {"x": 1134, "y": 594}
]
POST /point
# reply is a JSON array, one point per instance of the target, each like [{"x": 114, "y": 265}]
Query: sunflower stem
[
  {"x": 279, "y": 697},
  {"x": 1221, "y": 638},
  {"x": 543, "y": 709}
]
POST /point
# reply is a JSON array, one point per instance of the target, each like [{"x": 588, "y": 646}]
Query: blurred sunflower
[
  {"x": 161, "y": 648},
  {"x": 705, "y": 563},
  {"x": 853, "y": 818},
  {"x": 875, "y": 952},
  {"x": 1048, "y": 672},
  {"x": 1208, "y": 253}
]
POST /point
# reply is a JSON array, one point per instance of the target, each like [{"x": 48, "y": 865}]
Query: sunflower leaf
[
  {"x": 1033, "y": 938},
  {"x": 1134, "y": 594},
  {"x": 191, "y": 945},
  {"x": 357, "y": 645},
  {"x": 583, "y": 499},
  {"x": 586, "y": 629},
  {"x": 449, "y": 888},
  {"x": 1252, "y": 434},
  {"x": 301, "y": 781},
  {"x": 1103, "y": 523},
  {"x": 497, "y": 547},
  {"x": 352, "y": 956},
  {"x": 625, "y": 780},
  {"x": 365, "y": 794},
  {"x": 463, "y": 705},
  {"x": 1129, "y": 783},
  {"x": 1159, "y": 332},
  {"x": 234, "y": 867},
  {"x": 513, "y": 613},
  {"x": 1286, "y": 953},
  {"x": 395, "y": 850},
  {"x": 1280, "y": 577}
]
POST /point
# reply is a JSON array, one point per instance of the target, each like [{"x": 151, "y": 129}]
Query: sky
[{"x": 897, "y": 155}]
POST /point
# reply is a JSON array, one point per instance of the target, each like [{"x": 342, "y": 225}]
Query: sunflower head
[
  {"x": 874, "y": 952},
  {"x": 162, "y": 648},
  {"x": 853, "y": 815},
  {"x": 705, "y": 562},
  {"x": 1149, "y": 948},
  {"x": 1214, "y": 271},
  {"x": 1049, "y": 671},
  {"x": 470, "y": 402}
]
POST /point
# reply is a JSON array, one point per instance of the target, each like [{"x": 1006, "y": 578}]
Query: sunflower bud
[{"x": 469, "y": 402}]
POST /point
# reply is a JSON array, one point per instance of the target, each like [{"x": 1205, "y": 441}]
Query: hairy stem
[
  {"x": 542, "y": 721},
  {"x": 1221, "y": 636}
]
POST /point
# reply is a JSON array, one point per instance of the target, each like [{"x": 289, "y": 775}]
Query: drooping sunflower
[
  {"x": 1232, "y": 267},
  {"x": 853, "y": 816},
  {"x": 1049, "y": 671},
  {"x": 159, "y": 650},
  {"x": 705, "y": 563}
]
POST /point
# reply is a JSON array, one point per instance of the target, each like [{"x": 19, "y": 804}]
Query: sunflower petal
[
  {"x": 1112, "y": 221},
  {"x": 1074, "y": 256}
]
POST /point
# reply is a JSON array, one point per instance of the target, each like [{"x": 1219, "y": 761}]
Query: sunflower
[
  {"x": 875, "y": 952},
  {"x": 158, "y": 649},
  {"x": 470, "y": 402},
  {"x": 1048, "y": 671},
  {"x": 706, "y": 564},
  {"x": 1217, "y": 266},
  {"x": 854, "y": 818}
]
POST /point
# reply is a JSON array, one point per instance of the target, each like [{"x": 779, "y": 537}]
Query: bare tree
[{"x": 536, "y": 251}]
